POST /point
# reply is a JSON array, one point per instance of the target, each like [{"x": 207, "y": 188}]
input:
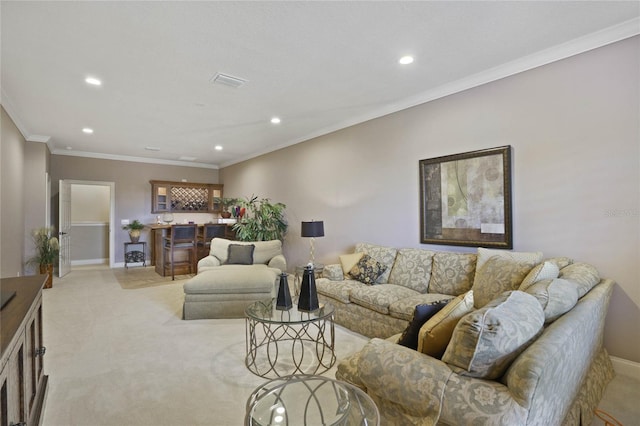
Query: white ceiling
[{"x": 319, "y": 66}]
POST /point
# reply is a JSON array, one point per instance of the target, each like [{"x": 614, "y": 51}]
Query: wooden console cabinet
[{"x": 22, "y": 380}]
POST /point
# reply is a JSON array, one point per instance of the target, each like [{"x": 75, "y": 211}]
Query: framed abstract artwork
[{"x": 465, "y": 199}]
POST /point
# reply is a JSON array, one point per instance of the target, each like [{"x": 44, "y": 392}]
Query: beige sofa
[
  {"x": 224, "y": 290},
  {"x": 527, "y": 351}
]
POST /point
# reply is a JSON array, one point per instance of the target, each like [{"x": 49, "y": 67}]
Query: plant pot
[
  {"x": 134, "y": 235},
  {"x": 225, "y": 215},
  {"x": 47, "y": 269}
]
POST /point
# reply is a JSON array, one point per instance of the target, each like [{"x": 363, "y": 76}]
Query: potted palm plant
[
  {"x": 263, "y": 220},
  {"x": 134, "y": 229},
  {"x": 47, "y": 250}
]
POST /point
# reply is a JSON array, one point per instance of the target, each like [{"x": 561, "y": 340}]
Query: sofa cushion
[
  {"x": 367, "y": 270},
  {"x": 556, "y": 296},
  {"x": 452, "y": 273},
  {"x": 584, "y": 275},
  {"x": 338, "y": 290},
  {"x": 497, "y": 275},
  {"x": 412, "y": 269},
  {"x": 404, "y": 308},
  {"x": 240, "y": 254},
  {"x": 380, "y": 296},
  {"x": 384, "y": 255},
  {"x": 264, "y": 250},
  {"x": 485, "y": 341},
  {"x": 421, "y": 314},
  {"x": 333, "y": 272},
  {"x": 543, "y": 271},
  {"x": 233, "y": 279},
  {"x": 348, "y": 261},
  {"x": 517, "y": 256},
  {"x": 435, "y": 334}
]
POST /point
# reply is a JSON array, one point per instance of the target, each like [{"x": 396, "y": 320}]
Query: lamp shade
[{"x": 312, "y": 229}]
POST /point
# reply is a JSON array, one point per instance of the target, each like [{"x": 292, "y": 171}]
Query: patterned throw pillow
[
  {"x": 240, "y": 254},
  {"x": 348, "y": 261},
  {"x": 543, "y": 271},
  {"x": 485, "y": 341},
  {"x": 421, "y": 314},
  {"x": 367, "y": 270}
]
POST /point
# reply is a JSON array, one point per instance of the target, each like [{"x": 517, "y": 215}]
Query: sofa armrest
[
  {"x": 333, "y": 272},
  {"x": 404, "y": 377},
  {"x": 278, "y": 262},
  {"x": 209, "y": 261}
]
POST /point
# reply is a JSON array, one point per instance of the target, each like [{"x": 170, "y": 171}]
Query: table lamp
[{"x": 312, "y": 229}]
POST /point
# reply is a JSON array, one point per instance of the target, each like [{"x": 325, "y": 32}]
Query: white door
[{"x": 64, "y": 218}]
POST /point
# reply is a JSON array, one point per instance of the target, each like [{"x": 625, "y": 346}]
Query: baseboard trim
[
  {"x": 625, "y": 367},
  {"x": 89, "y": 262}
]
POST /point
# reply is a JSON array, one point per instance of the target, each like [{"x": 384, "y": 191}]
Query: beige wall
[
  {"x": 12, "y": 222},
  {"x": 132, "y": 187},
  {"x": 574, "y": 129}
]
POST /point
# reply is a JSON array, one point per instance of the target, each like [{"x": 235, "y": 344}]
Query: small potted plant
[
  {"x": 47, "y": 250},
  {"x": 225, "y": 203},
  {"x": 134, "y": 229}
]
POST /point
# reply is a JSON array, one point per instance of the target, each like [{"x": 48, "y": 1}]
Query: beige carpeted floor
[{"x": 124, "y": 357}]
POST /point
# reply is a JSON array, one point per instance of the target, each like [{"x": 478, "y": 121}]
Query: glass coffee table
[
  {"x": 280, "y": 343},
  {"x": 310, "y": 400}
]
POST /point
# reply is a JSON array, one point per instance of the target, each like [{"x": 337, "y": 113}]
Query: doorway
[{"x": 87, "y": 214}]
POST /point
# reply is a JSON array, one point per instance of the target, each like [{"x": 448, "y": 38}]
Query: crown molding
[
  {"x": 562, "y": 51},
  {"x": 133, "y": 159}
]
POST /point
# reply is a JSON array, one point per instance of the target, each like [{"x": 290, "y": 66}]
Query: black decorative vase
[
  {"x": 308, "y": 300},
  {"x": 283, "y": 302}
]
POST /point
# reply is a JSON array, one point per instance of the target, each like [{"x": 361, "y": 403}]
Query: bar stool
[
  {"x": 209, "y": 232},
  {"x": 183, "y": 238}
]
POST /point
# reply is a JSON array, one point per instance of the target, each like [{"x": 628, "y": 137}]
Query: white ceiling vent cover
[{"x": 228, "y": 80}]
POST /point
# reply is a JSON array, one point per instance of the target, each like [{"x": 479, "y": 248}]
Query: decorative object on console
[
  {"x": 284, "y": 303},
  {"x": 167, "y": 218},
  {"x": 476, "y": 189},
  {"x": 312, "y": 229},
  {"x": 134, "y": 229},
  {"x": 308, "y": 301},
  {"x": 47, "y": 250}
]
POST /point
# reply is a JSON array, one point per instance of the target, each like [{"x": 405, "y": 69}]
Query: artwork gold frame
[{"x": 465, "y": 199}]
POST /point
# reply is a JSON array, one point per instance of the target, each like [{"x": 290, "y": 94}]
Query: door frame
[{"x": 112, "y": 211}]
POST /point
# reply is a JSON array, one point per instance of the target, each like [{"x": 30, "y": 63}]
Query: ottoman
[{"x": 226, "y": 291}]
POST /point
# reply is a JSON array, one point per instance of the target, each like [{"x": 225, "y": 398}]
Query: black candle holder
[
  {"x": 283, "y": 302},
  {"x": 308, "y": 300}
]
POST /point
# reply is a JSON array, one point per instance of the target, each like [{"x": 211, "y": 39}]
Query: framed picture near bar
[{"x": 465, "y": 199}]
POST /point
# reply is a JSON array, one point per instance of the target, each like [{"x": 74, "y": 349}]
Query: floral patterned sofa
[{"x": 522, "y": 336}]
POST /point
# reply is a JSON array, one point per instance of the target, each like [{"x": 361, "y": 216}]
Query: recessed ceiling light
[
  {"x": 93, "y": 81},
  {"x": 218, "y": 148},
  {"x": 187, "y": 158},
  {"x": 406, "y": 60},
  {"x": 275, "y": 120},
  {"x": 69, "y": 148},
  {"x": 152, "y": 148},
  {"x": 87, "y": 130}
]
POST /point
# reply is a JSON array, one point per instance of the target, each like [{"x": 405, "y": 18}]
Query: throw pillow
[
  {"x": 543, "y": 271},
  {"x": 240, "y": 254},
  {"x": 584, "y": 275},
  {"x": 367, "y": 270},
  {"x": 497, "y": 275},
  {"x": 556, "y": 296},
  {"x": 485, "y": 341},
  {"x": 435, "y": 334},
  {"x": 421, "y": 314},
  {"x": 348, "y": 261}
]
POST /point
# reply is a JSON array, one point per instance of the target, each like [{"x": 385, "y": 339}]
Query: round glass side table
[
  {"x": 310, "y": 400},
  {"x": 284, "y": 342}
]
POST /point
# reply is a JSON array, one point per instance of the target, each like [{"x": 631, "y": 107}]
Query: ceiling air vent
[{"x": 228, "y": 80}]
